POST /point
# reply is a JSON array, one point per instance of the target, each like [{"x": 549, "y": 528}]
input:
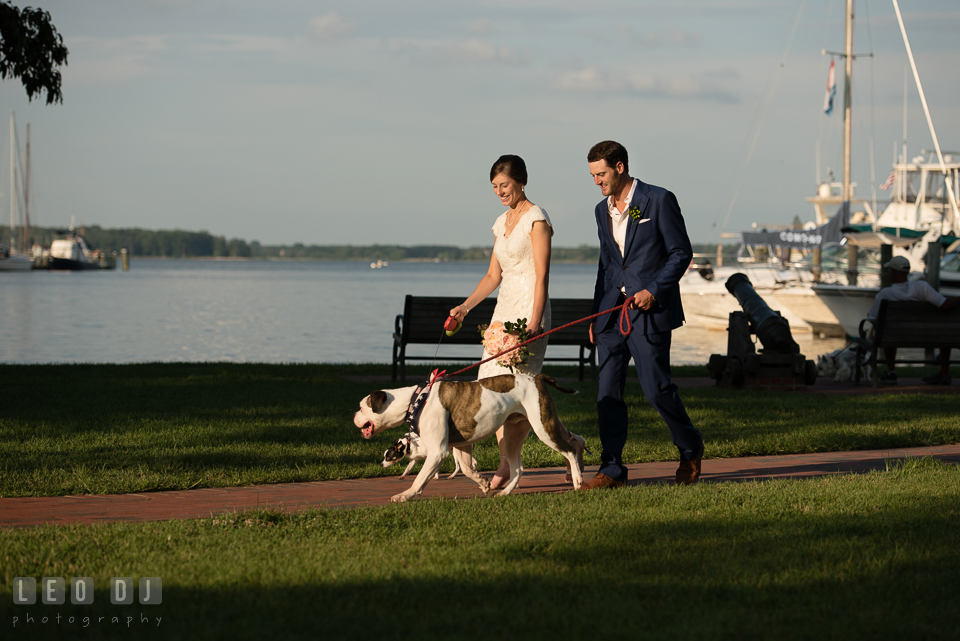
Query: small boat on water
[{"x": 69, "y": 252}]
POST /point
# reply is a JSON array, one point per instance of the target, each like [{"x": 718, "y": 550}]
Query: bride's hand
[
  {"x": 459, "y": 312},
  {"x": 533, "y": 330}
]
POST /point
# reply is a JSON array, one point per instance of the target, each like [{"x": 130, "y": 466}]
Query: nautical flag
[
  {"x": 888, "y": 183},
  {"x": 831, "y": 89}
]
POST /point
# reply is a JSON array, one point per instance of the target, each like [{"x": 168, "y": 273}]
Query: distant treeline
[{"x": 201, "y": 244}]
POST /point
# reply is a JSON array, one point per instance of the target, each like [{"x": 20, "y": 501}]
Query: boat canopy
[{"x": 829, "y": 233}]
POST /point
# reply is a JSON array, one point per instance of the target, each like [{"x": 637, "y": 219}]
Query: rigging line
[
  {"x": 826, "y": 26},
  {"x": 873, "y": 168},
  {"x": 926, "y": 111},
  {"x": 757, "y": 115},
  {"x": 743, "y": 148},
  {"x": 824, "y": 123},
  {"x": 769, "y": 100}
]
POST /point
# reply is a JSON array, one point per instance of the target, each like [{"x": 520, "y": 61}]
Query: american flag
[{"x": 889, "y": 181}]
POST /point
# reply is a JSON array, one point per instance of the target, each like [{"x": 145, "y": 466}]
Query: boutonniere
[{"x": 635, "y": 213}]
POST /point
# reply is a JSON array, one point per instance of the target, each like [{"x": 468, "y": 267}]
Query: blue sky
[{"x": 376, "y": 121}]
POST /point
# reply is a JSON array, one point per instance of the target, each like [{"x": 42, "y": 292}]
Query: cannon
[{"x": 779, "y": 363}]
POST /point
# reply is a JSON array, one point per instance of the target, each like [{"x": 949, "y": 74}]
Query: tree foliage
[{"x": 31, "y": 50}]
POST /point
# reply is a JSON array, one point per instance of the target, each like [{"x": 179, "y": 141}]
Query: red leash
[{"x": 623, "y": 316}]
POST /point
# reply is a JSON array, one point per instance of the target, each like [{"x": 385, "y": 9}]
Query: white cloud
[
  {"x": 478, "y": 50},
  {"x": 594, "y": 80},
  {"x": 466, "y": 50},
  {"x": 331, "y": 25},
  {"x": 588, "y": 80}
]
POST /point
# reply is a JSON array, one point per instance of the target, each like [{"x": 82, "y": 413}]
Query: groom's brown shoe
[
  {"x": 689, "y": 471},
  {"x": 601, "y": 482}
]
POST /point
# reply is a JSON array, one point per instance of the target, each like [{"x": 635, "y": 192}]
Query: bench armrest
[{"x": 398, "y": 329}]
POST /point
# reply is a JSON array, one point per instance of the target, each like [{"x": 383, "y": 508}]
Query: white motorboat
[{"x": 70, "y": 252}]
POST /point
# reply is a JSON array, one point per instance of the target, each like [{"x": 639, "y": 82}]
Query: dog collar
[{"x": 420, "y": 399}]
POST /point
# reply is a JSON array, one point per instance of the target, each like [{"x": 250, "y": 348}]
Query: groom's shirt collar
[{"x": 619, "y": 219}]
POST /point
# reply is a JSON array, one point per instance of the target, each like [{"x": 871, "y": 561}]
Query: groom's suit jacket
[{"x": 656, "y": 254}]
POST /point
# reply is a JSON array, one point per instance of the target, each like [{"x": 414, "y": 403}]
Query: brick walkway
[{"x": 188, "y": 504}]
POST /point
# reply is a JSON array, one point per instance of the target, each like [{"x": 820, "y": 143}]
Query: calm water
[{"x": 254, "y": 311}]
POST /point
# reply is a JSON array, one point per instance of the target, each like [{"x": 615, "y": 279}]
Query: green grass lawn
[
  {"x": 77, "y": 429},
  {"x": 846, "y": 557},
  {"x": 872, "y": 556}
]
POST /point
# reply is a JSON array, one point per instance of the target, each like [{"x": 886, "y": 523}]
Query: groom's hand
[
  {"x": 643, "y": 301},
  {"x": 593, "y": 337}
]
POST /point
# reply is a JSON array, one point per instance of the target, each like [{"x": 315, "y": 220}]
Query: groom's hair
[
  {"x": 610, "y": 151},
  {"x": 512, "y": 166}
]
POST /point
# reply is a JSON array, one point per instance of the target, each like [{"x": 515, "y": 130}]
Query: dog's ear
[{"x": 378, "y": 401}]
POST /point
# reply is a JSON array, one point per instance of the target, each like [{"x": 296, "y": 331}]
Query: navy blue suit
[{"x": 656, "y": 254}]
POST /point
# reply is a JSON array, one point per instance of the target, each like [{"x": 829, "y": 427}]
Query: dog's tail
[{"x": 549, "y": 380}]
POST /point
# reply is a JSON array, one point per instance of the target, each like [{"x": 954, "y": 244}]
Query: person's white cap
[{"x": 898, "y": 263}]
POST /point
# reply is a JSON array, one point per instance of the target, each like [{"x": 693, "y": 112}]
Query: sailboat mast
[
  {"x": 13, "y": 183},
  {"x": 847, "y": 89},
  {"x": 26, "y": 195}
]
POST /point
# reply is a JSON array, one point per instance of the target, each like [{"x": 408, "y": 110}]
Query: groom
[{"x": 644, "y": 250}]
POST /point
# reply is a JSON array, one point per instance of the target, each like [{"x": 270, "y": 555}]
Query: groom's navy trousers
[{"x": 651, "y": 356}]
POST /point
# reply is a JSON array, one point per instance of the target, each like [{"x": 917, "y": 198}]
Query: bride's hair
[{"x": 512, "y": 166}]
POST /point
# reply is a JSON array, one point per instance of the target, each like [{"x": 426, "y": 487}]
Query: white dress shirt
[{"x": 619, "y": 220}]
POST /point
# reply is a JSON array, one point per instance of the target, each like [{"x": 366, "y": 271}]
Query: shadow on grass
[{"x": 880, "y": 576}]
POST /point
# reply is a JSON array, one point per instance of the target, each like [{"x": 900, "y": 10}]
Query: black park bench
[
  {"x": 907, "y": 324},
  {"x": 421, "y": 323}
]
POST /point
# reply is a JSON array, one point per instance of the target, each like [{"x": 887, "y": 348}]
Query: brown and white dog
[
  {"x": 457, "y": 413},
  {"x": 409, "y": 446}
]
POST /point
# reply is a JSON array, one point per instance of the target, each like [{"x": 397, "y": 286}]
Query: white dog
[
  {"x": 457, "y": 413},
  {"x": 409, "y": 446},
  {"x": 841, "y": 364}
]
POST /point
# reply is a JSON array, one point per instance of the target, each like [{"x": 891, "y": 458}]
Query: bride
[{"x": 520, "y": 267}]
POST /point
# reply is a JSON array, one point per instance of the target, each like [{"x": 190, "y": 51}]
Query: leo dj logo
[{"x": 53, "y": 590}]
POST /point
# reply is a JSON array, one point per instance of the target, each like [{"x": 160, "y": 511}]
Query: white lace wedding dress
[{"x": 515, "y": 299}]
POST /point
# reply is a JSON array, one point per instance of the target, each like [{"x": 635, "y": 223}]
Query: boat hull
[
  {"x": 849, "y": 304},
  {"x": 67, "y": 264},
  {"x": 707, "y": 303},
  {"x": 16, "y": 263}
]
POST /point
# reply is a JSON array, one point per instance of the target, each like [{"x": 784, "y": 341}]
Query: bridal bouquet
[{"x": 498, "y": 337}]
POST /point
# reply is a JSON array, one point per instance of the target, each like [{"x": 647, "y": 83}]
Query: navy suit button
[{"x": 624, "y": 268}]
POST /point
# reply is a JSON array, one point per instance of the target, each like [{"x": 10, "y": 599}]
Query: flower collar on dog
[{"x": 419, "y": 399}]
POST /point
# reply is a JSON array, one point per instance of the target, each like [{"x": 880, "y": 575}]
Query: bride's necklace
[{"x": 516, "y": 215}]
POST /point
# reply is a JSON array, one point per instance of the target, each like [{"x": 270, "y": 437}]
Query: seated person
[{"x": 917, "y": 290}]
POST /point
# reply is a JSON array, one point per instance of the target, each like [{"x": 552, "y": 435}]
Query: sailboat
[
  {"x": 10, "y": 259},
  {"x": 923, "y": 215}
]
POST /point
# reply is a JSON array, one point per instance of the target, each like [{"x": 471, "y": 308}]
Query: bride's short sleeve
[
  {"x": 536, "y": 215},
  {"x": 499, "y": 226}
]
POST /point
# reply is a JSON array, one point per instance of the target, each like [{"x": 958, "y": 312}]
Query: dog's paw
[
  {"x": 452, "y": 476},
  {"x": 399, "y": 498}
]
